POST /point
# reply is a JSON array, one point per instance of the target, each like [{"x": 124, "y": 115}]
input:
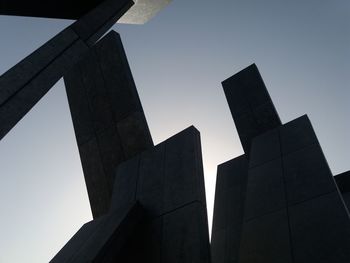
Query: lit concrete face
[
  {"x": 251, "y": 107},
  {"x": 142, "y": 11},
  {"x": 108, "y": 118}
]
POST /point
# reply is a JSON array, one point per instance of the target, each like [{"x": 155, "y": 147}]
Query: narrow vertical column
[
  {"x": 107, "y": 115},
  {"x": 228, "y": 215},
  {"x": 251, "y": 107}
]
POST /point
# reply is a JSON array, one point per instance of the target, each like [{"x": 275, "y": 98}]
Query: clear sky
[{"x": 178, "y": 60}]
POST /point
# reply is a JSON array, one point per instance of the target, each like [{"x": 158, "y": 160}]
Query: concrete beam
[{"x": 22, "y": 86}]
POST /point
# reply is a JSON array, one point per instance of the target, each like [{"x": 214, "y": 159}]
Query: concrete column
[
  {"x": 230, "y": 193},
  {"x": 251, "y": 107},
  {"x": 108, "y": 118}
]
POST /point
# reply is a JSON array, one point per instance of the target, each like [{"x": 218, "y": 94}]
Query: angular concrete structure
[
  {"x": 167, "y": 183},
  {"x": 277, "y": 203},
  {"x": 343, "y": 183},
  {"x": 108, "y": 118},
  {"x": 287, "y": 194},
  {"x": 107, "y": 239},
  {"x": 293, "y": 210}
]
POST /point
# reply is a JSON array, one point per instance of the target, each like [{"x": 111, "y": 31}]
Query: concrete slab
[
  {"x": 297, "y": 134},
  {"x": 266, "y": 239},
  {"x": 125, "y": 184},
  {"x": 182, "y": 237},
  {"x": 265, "y": 148},
  {"x": 150, "y": 185},
  {"x": 320, "y": 230},
  {"x": 181, "y": 178},
  {"x": 265, "y": 190},
  {"x": 307, "y": 174},
  {"x": 104, "y": 239}
]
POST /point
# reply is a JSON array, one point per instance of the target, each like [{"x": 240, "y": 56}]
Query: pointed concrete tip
[
  {"x": 142, "y": 11},
  {"x": 251, "y": 67}
]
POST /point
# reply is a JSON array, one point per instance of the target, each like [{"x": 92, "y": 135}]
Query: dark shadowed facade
[
  {"x": 276, "y": 203},
  {"x": 286, "y": 206}
]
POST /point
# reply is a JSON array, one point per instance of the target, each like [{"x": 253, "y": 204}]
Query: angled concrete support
[
  {"x": 230, "y": 192},
  {"x": 26, "y": 83},
  {"x": 109, "y": 122},
  {"x": 110, "y": 238}
]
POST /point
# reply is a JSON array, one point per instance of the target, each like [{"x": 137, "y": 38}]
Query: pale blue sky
[{"x": 178, "y": 59}]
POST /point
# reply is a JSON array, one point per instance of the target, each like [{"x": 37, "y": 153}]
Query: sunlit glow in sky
[{"x": 178, "y": 60}]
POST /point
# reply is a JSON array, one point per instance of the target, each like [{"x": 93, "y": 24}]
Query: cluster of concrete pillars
[
  {"x": 279, "y": 201},
  {"x": 276, "y": 203}
]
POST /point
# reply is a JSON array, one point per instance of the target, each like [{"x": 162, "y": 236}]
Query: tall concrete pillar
[
  {"x": 22, "y": 86},
  {"x": 251, "y": 107},
  {"x": 230, "y": 193},
  {"x": 108, "y": 118}
]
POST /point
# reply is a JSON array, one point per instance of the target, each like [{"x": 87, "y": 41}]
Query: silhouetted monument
[{"x": 278, "y": 202}]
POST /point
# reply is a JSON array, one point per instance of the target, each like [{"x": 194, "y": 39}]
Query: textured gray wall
[{"x": 108, "y": 118}]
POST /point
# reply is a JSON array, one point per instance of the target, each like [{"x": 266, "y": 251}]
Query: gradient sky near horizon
[{"x": 178, "y": 59}]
